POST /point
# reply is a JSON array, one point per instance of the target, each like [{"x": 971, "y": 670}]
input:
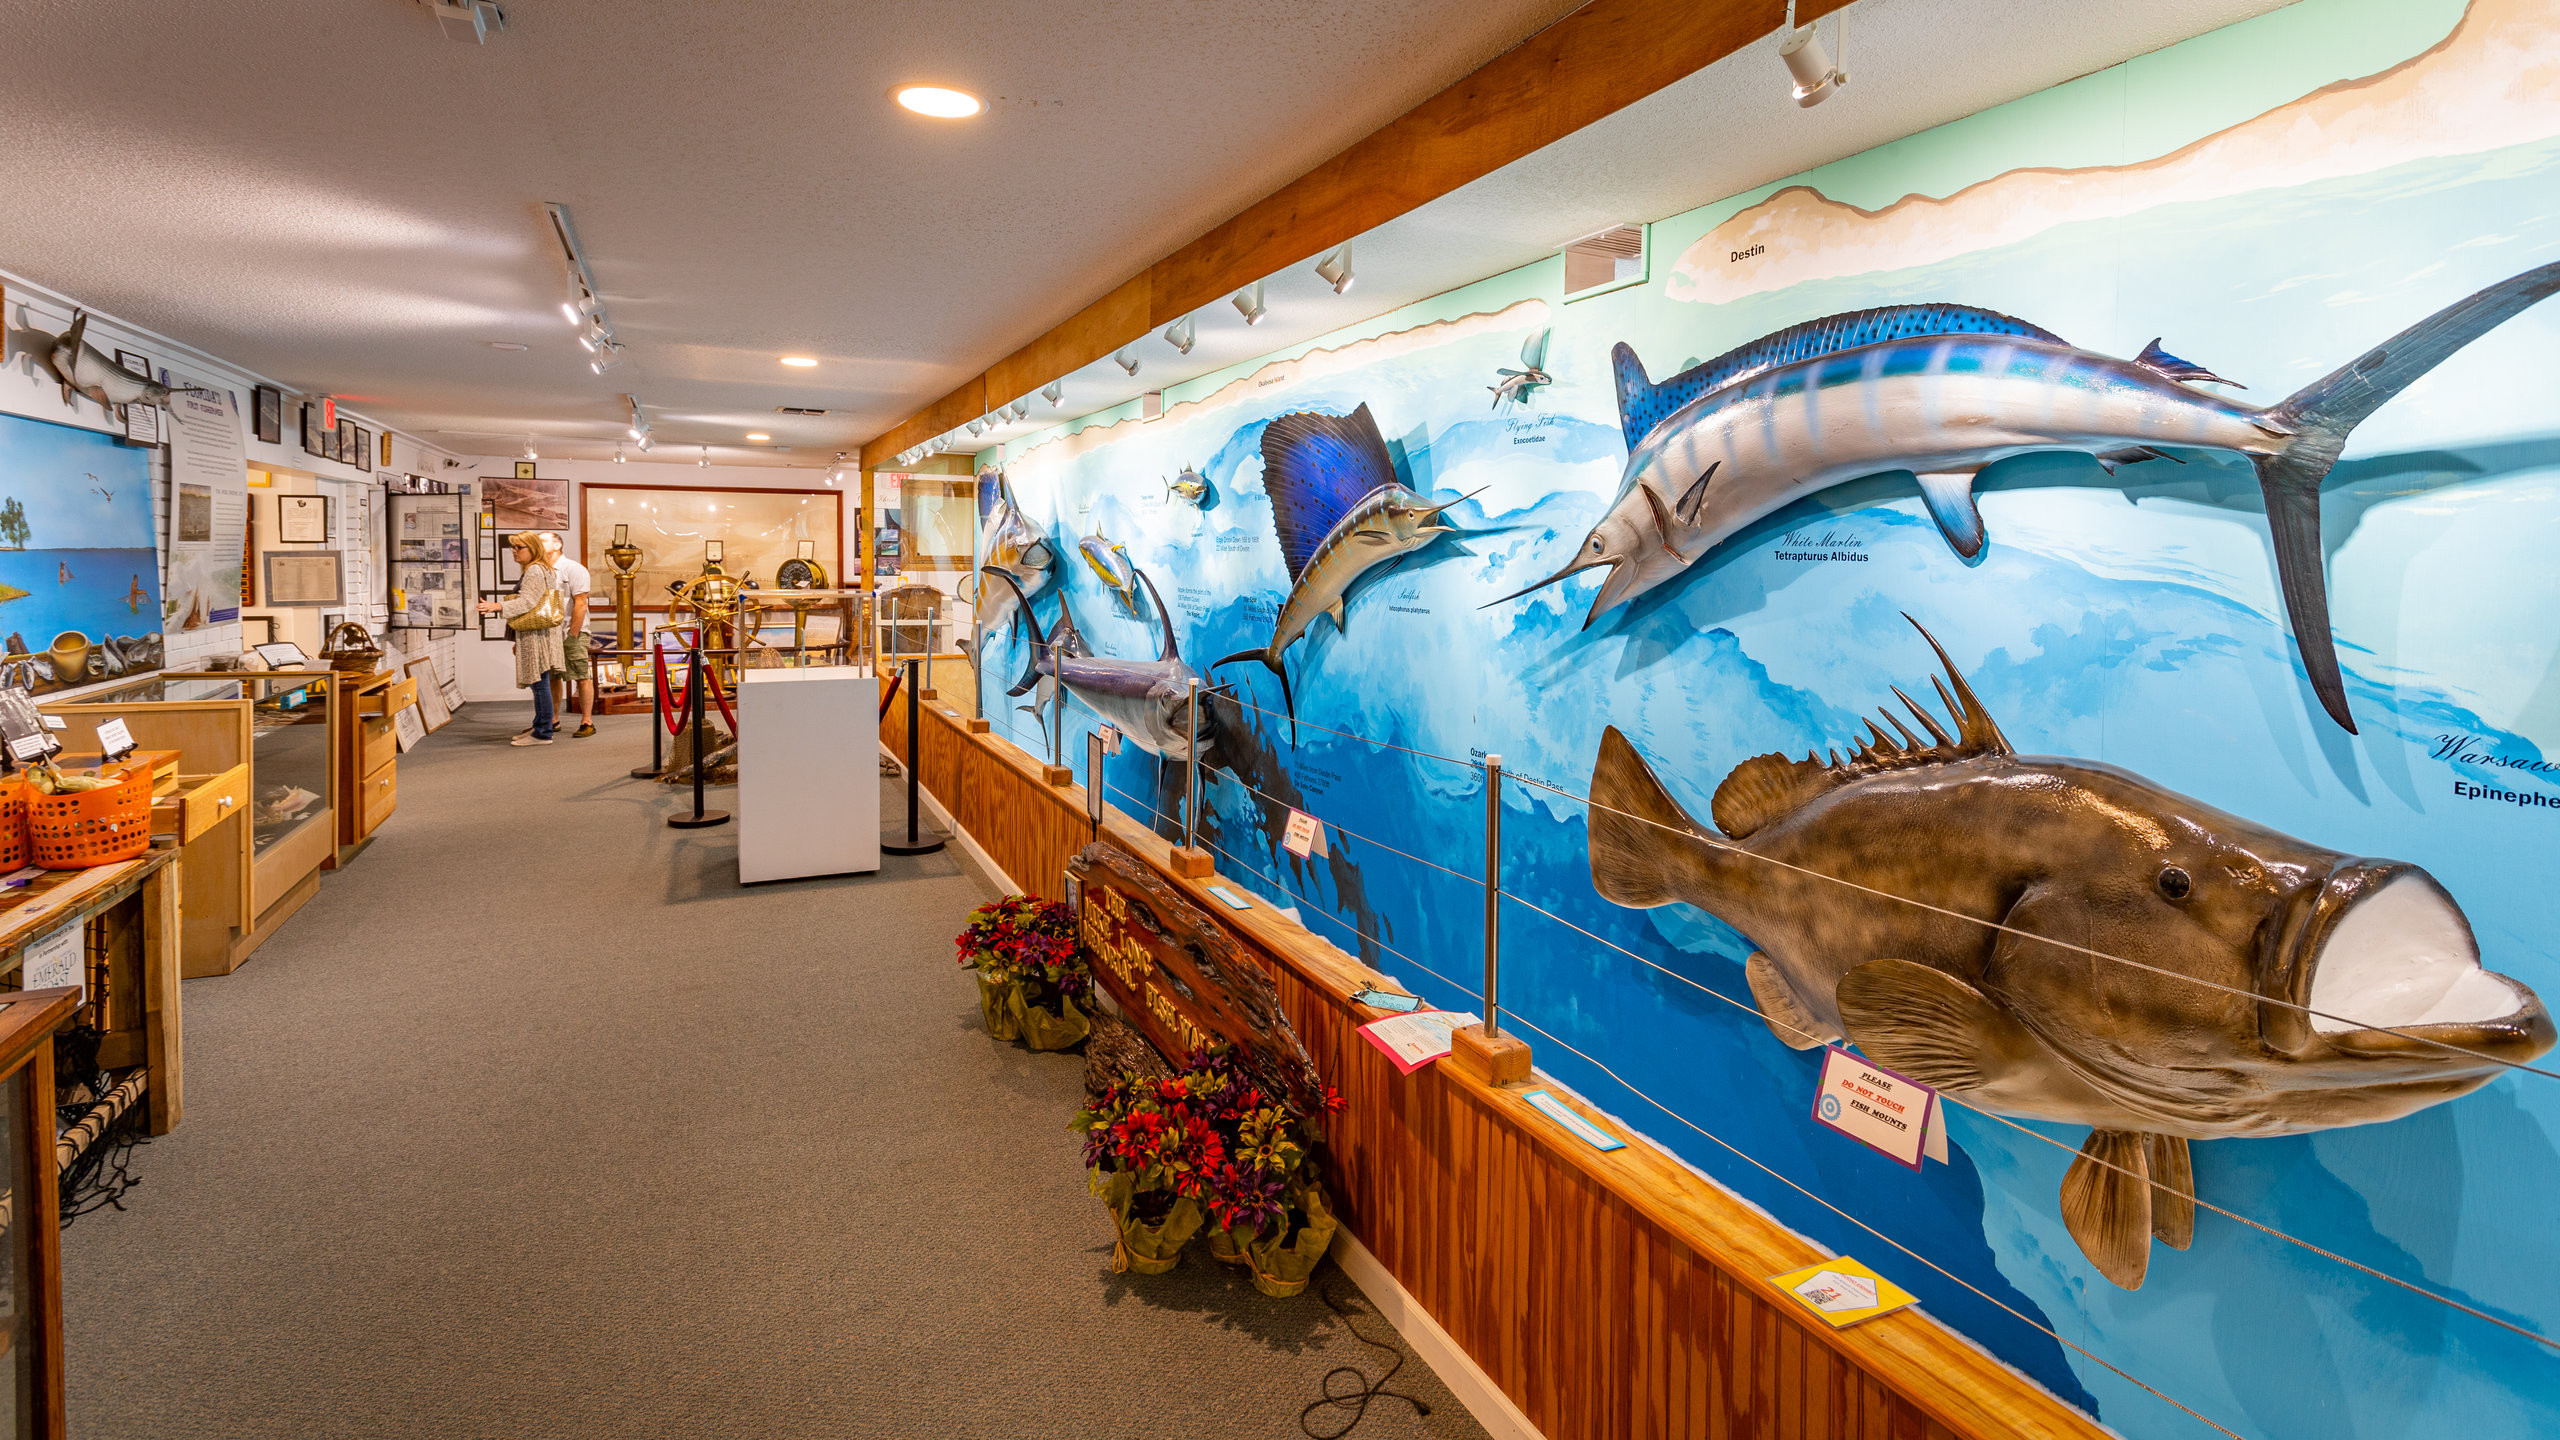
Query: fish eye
[
  {"x": 2176, "y": 883},
  {"x": 1595, "y": 544}
]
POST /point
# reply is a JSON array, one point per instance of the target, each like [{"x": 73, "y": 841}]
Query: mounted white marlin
[
  {"x": 1339, "y": 512},
  {"x": 1015, "y": 545},
  {"x": 1942, "y": 391}
]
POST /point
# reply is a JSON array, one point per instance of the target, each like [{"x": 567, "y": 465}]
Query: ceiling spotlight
[
  {"x": 799, "y": 362},
  {"x": 1054, "y": 391},
  {"x": 978, "y": 426},
  {"x": 1248, "y": 303},
  {"x": 617, "y": 455},
  {"x": 758, "y": 436},
  {"x": 1021, "y": 409},
  {"x": 1817, "y": 73},
  {"x": 1127, "y": 359},
  {"x": 938, "y": 103},
  {"x": 1335, "y": 269},
  {"x": 645, "y": 443},
  {"x": 529, "y": 453},
  {"x": 706, "y": 456},
  {"x": 608, "y": 355},
  {"x": 1181, "y": 335}
]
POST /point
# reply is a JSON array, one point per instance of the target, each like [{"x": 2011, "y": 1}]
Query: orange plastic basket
[
  {"x": 13, "y": 824},
  {"x": 91, "y": 827}
]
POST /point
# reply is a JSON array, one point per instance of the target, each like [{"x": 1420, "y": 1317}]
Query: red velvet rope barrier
[
  {"x": 720, "y": 696},
  {"x": 896, "y": 679},
  {"x": 670, "y": 714}
]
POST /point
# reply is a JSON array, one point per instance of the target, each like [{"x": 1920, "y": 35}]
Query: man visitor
[{"x": 575, "y": 581}]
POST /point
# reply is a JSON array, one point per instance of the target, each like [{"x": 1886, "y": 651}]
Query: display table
[
  {"x": 808, "y": 773},
  {"x": 132, "y": 961},
  {"x": 31, "y": 1244}
]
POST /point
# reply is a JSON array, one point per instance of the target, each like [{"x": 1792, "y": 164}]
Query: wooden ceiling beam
[{"x": 1588, "y": 65}]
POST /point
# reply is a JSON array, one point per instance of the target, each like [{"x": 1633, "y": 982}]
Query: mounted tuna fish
[
  {"x": 1339, "y": 512},
  {"x": 1015, "y": 545},
  {"x": 1193, "y": 488},
  {"x": 1944, "y": 390},
  {"x": 1149, "y": 700},
  {"x": 80, "y": 366},
  {"x": 1109, "y": 560},
  {"x": 2259, "y": 984}
]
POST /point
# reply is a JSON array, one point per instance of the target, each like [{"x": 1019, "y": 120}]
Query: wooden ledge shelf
[{"x": 1608, "y": 1294}]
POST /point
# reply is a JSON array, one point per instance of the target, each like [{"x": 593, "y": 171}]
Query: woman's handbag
[{"x": 545, "y": 614}]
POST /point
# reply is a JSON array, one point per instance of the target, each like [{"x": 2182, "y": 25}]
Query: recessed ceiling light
[
  {"x": 504, "y": 345},
  {"x": 938, "y": 102},
  {"x": 759, "y": 437},
  {"x": 798, "y": 362}
]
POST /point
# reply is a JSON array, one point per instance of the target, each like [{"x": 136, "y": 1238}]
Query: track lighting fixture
[
  {"x": 705, "y": 461},
  {"x": 1335, "y": 269},
  {"x": 617, "y": 455},
  {"x": 1021, "y": 409},
  {"x": 1181, "y": 335},
  {"x": 1817, "y": 73},
  {"x": 468, "y": 21},
  {"x": 1248, "y": 303},
  {"x": 978, "y": 426},
  {"x": 529, "y": 452},
  {"x": 1127, "y": 360},
  {"x": 1053, "y": 392},
  {"x": 608, "y": 355}
]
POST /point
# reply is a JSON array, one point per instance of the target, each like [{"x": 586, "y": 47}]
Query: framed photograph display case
[
  {"x": 426, "y": 537},
  {"x": 758, "y": 531}
]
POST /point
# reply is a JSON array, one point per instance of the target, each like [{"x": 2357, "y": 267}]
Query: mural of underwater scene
[
  {"x": 2364, "y": 819},
  {"x": 79, "y": 566}
]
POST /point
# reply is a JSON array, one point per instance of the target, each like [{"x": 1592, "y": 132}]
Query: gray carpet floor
[{"x": 535, "y": 1123}]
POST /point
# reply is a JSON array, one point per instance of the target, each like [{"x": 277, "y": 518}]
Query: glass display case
[
  {"x": 431, "y": 561},
  {"x": 289, "y": 774}
]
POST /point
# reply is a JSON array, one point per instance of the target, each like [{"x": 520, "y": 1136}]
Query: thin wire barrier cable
[
  {"x": 1363, "y": 1390},
  {"x": 2120, "y": 1372},
  {"x": 1238, "y": 697},
  {"x": 2232, "y": 990},
  {"x": 1363, "y": 839},
  {"x": 1320, "y": 911},
  {"x": 1812, "y": 1039}
]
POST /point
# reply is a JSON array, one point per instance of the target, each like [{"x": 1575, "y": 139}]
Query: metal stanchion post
[
  {"x": 700, "y": 817},
  {"x": 978, "y": 724},
  {"x": 1492, "y": 895},
  {"x": 915, "y": 758},
  {"x": 1191, "y": 862},
  {"x": 657, "y": 723}
]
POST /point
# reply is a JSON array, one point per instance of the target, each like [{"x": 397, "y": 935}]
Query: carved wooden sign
[{"x": 1180, "y": 977}]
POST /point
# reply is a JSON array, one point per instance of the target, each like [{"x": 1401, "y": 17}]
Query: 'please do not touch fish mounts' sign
[{"x": 1180, "y": 977}]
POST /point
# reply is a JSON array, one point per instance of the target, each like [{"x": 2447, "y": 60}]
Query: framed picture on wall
[
  {"x": 305, "y": 577},
  {"x": 361, "y": 457},
  {"x": 266, "y": 405},
  {"x": 524, "y": 469},
  {"x": 314, "y": 438},
  {"x": 386, "y": 453},
  {"x": 348, "y": 452},
  {"x": 302, "y": 519}
]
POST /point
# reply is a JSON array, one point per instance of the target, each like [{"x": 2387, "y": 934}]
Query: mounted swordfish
[
  {"x": 1942, "y": 391},
  {"x": 1148, "y": 700},
  {"x": 1339, "y": 511}
]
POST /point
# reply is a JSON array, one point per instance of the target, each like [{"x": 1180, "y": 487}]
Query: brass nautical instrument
[{"x": 626, "y": 559}]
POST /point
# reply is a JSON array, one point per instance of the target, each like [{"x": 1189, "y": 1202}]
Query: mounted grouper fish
[
  {"x": 1944, "y": 390},
  {"x": 1339, "y": 512},
  {"x": 1149, "y": 700},
  {"x": 2207, "y": 977}
]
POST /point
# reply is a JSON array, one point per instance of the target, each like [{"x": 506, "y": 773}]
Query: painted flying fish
[
  {"x": 1515, "y": 385},
  {"x": 1941, "y": 391},
  {"x": 1340, "y": 512},
  {"x": 2062, "y": 940}
]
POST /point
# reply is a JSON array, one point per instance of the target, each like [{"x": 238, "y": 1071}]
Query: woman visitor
[{"x": 535, "y": 615}]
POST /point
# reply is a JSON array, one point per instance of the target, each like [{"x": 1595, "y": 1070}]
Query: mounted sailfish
[
  {"x": 1340, "y": 512},
  {"x": 1942, "y": 391}
]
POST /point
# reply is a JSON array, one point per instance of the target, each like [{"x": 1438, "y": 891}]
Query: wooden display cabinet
[
  {"x": 31, "y": 1247},
  {"x": 368, "y": 755},
  {"x": 249, "y": 798}
]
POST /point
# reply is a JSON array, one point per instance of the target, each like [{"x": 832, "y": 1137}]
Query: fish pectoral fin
[
  {"x": 1662, "y": 521},
  {"x": 1372, "y": 537},
  {"x": 1949, "y": 494},
  {"x": 2133, "y": 455},
  {"x": 1696, "y": 496},
  {"x": 1338, "y": 610},
  {"x": 2106, "y": 1204},
  {"x": 2173, "y": 1192},
  {"x": 1934, "y": 1027},
  {"x": 1794, "y": 1026}
]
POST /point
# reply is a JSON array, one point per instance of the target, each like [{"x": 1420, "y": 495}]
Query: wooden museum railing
[{"x": 1609, "y": 1295}]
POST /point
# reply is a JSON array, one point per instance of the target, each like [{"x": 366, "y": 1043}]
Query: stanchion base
[
  {"x": 980, "y": 725},
  {"x": 648, "y": 772},
  {"x": 921, "y": 847},
  {"x": 1494, "y": 1059},
  {"x": 1058, "y": 774},
  {"x": 697, "y": 822},
  {"x": 1192, "y": 863},
  {"x": 928, "y": 693}
]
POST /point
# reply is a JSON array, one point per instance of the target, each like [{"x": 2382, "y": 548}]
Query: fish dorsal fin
[
  {"x": 2161, "y": 362},
  {"x": 1767, "y": 787},
  {"x": 1316, "y": 468},
  {"x": 1642, "y": 405}
]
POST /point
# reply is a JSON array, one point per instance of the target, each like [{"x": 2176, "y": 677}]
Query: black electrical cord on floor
[{"x": 1357, "y": 1399}]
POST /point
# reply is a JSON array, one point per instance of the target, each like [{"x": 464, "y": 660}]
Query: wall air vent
[{"x": 1604, "y": 260}]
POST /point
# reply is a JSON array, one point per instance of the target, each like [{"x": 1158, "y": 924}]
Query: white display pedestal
[{"x": 808, "y": 773}]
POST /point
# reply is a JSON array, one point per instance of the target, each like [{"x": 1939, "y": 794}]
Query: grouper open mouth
[{"x": 2393, "y": 966}]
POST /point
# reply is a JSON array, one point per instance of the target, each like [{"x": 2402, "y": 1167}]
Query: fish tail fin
[
  {"x": 1270, "y": 660},
  {"x": 1021, "y": 618},
  {"x": 1638, "y": 856},
  {"x": 2318, "y": 419}
]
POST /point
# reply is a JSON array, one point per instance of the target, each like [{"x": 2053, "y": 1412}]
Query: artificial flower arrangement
[
  {"x": 1032, "y": 976},
  {"x": 1212, "y": 1146}
]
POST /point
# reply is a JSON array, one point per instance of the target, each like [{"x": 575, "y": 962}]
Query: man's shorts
[{"x": 575, "y": 643}]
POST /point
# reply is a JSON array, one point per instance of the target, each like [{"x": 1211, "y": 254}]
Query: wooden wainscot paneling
[{"x": 1609, "y": 1295}]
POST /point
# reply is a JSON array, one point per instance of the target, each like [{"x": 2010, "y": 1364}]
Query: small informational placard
[
  {"x": 27, "y": 747},
  {"x": 56, "y": 960},
  {"x": 56, "y": 722},
  {"x": 1093, "y": 777},
  {"x": 1305, "y": 835},
  {"x": 1229, "y": 898},
  {"x": 1377, "y": 999},
  {"x": 142, "y": 424},
  {"x": 1842, "y": 1291},
  {"x": 283, "y": 655},
  {"x": 1554, "y": 1109},
  {"x": 114, "y": 740},
  {"x": 409, "y": 727},
  {"x": 1109, "y": 735},
  {"x": 1415, "y": 1040},
  {"x": 1873, "y": 1105}
]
